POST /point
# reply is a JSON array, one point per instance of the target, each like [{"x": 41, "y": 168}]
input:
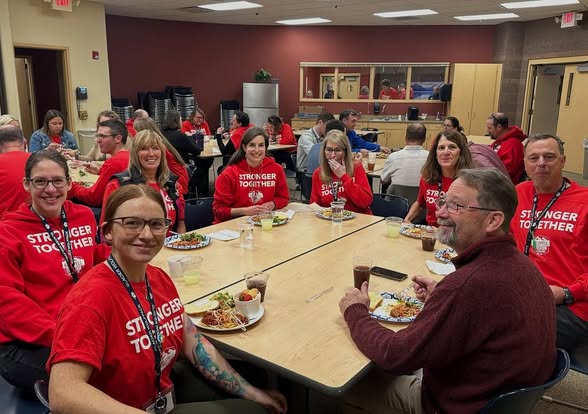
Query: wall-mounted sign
[
  {"x": 61, "y": 5},
  {"x": 568, "y": 20}
]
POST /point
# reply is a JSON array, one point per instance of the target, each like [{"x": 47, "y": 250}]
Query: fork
[
  {"x": 403, "y": 293},
  {"x": 241, "y": 324}
]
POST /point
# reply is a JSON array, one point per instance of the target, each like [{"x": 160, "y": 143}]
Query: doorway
[
  {"x": 41, "y": 81},
  {"x": 546, "y": 99}
]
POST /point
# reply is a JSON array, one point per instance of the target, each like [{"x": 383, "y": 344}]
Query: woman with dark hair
[
  {"x": 196, "y": 122},
  {"x": 337, "y": 172},
  {"x": 449, "y": 154},
  {"x": 452, "y": 122},
  {"x": 281, "y": 133},
  {"x": 147, "y": 165},
  {"x": 252, "y": 183},
  {"x": 239, "y": 125},
  {"x": 189, "y": 152},
  {"x": 45, "y": 247},
  {"x": 53, "y": 134},
  {"x": 174, "y": 161},
  {"x": 111, "y": 355}
]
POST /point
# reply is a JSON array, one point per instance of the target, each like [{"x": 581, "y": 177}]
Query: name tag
[{"x": 164, "y": 404}]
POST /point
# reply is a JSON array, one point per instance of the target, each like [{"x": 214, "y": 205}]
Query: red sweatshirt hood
[{"x": 512, "y": 132}]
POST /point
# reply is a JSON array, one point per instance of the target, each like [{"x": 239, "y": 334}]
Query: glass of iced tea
[
  {"x": 257, "y": 280},
  {"x": 362, "y": 266}
]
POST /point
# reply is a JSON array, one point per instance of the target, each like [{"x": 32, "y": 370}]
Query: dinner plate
[
  {"x": 198, "y": 322},
  {"x": 278, "y": 220},
  {"x": 326, "y": 214},
  {"x": 412, "y": 230},
  {"x": 445, "y": 255},
  {"x": 171, "y": 240},
  {"x": 381, "y": 313}
]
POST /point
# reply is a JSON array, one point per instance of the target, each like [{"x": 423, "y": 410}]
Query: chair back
[
  {"x": 198, "y": 215},
  {"x": 579, "y": 359},
  {"x": 370, "y": 137},
  {"x": 523, "y": 400},
  {"x": 42, "y": 392},
  {"x": 408, "y": 192},
  {"x": 391, "y": 205}
]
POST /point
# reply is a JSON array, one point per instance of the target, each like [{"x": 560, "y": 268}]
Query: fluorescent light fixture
[
  {"x": 537, "y": 3},
  {"x": 233, "y": 5},
  {"x": 407, "y": 13},
  {"x": 496, "y": 16},
  {"x": 310, "y": 20}
]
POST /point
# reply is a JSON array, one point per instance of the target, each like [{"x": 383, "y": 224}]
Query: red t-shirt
[
  {"x": 99, "y": 325},
  {"x": 188, "y": 126},
  {"x": 354, "y": 189},
  {"x": 11, "y": 174},
  {"x": 56, "y": 139},
  {"x": 428, "y": 196}
]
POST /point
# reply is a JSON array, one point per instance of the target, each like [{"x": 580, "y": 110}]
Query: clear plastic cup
[
  {"x": 393, "y": 225},
  {"x": 267, "y": 220},
  {"x": 191, "y": 268},
  {"x": 257, "y": 280},
  {"x": 337, "y": 208},
  {"x": 371, "y": 161},
  {"x": 362, "y": 266},
  {"x": 246, "y": 232}
]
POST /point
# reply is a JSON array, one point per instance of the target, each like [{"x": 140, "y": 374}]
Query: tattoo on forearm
[{"x": 226, "y": 379}]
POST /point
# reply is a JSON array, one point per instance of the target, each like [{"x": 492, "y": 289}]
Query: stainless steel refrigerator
[{"x": 260, "y": 100}]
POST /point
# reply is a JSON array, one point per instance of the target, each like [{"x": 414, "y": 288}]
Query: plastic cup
[
  {"x": 267, "y": 220},
  {"x": 175, "y": 264},
  {"x": 428, "y": 239},
  {"x": 362, "y": 266},
  {"x": 371, "y": 161},
  {"x": 393, "y": 225},
  {"x": 191, "y": 268},
  {"x": 257, "y": 280},
  {"x": 246, "y": 232},
  {"x": 337, "y": 211}
]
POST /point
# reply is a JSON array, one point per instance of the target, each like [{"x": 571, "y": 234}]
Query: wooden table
[
  {"x": 298, "y": 132},
  {"x": 225, "y": 262},
  {"x": 303, "y": 335},
  {"x": 280, "y": 147},
  {"x": 87, "y": 179},
  {"x": 212, "y": 150}
]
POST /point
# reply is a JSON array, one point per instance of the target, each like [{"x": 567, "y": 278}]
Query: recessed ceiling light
[
  {"x": 310, "y": 20},
  {"x": 537, "y": 3},
  {"x": 487, "y": 17},
  {"x": 407, "y": 13},
  {"x": 233, "y": 5}
]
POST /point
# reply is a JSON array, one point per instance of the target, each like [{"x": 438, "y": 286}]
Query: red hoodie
[
  {"x": 240, "y": 185},
  {"x": 237, "y": 135},
  {"x": 130, "y": 127},
  {"x": 34, "y": 278},
  {"x": 355, "y": 189},
  {"x": 509, "y": 148},
  {"x": 288, "y": 137},
  {"x": 188, "y": 126}
]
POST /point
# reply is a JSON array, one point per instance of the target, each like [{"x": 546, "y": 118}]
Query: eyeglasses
[
  {"x": 41, "y": 183},
  {"x": 453, "y": 207},
  {"x": 102, "y": 136},
  {"x": 335, "y": 150},
  {"x": 136, "y": 225}
]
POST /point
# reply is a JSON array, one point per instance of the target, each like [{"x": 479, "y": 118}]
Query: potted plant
[{"x": 262, "y": 75}]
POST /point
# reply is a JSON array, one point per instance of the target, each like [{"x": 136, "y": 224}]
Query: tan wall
[{"x": 32, "y": 23}]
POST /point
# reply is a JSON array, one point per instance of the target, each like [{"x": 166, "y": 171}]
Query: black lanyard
[
  {"x": 153, "y": 334},
  {"x": 439, "y": 187},
  {"x": 335, "y": 189},
  {"x": 535, "y": 222},
  {"x": 67, "y": 253}
]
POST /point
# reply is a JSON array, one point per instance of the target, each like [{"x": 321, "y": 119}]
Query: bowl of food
[{"x": 248, "y": 302}]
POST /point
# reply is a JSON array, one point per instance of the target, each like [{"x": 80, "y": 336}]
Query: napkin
[
  {"x": 225, "y": 235},
  {"x": 442, "y": 269},
  {"x": 289, "y": 213}
]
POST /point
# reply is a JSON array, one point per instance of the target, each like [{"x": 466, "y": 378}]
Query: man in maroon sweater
[{"x": 487, "y": 328}]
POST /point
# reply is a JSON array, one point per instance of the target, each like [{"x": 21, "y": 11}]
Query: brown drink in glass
[{"x": 361, "y": 270}]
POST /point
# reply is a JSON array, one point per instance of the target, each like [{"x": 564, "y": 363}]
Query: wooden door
[
  {"x": 26, "y": 95},
  {"x": 572, "y": 127},
  {"x": 484, "y": 96},
  {"x": 463, "y": 76}
]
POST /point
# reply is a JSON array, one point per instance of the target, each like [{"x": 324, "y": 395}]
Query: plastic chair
[
  {"x": 389, "y": 205},
  {"x": 523, "y": 400},
  {"x": 42, "y": 392},
  {"x": 198, "y": 215}
]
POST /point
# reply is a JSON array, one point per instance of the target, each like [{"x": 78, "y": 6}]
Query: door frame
[
  {"x": 30, "y": 89},
  {"x": 67, "y": 88},
  {"x": 530, "y": 84}
]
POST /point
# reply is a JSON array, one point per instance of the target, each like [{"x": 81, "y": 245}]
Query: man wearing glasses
[
  {"x": 111, "y": 138},
  {"x": 550, "y": 226},
  {"x": 508, "y": 144},
  {"x": 485, "y": 329}
]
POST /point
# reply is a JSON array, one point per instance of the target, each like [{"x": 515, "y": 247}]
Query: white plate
[
  {"x": 169, "y": 242},
  {"x": 381, "y": 312},
  {"x": 347, "y": 215},
  {"x": 412, "y": 230},
  {"x": 197, "y": 321},
  {"x": 439, "y": 254}
]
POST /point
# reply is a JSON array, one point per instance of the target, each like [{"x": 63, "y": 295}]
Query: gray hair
[
  {"x": 10, "y": 133},
  {"x": 540, "y": 137},
  {"x": 495, "y": 191}
]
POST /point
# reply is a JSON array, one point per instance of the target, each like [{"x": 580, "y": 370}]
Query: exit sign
[
  {"x": 61, "y": 5},
  {"x": 568, "y": 20}
]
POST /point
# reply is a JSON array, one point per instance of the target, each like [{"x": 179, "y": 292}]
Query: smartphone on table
[{"x": 388, "y": 273}]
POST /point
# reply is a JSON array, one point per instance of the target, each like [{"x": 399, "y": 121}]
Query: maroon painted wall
[{"x": 215, "y": 59}]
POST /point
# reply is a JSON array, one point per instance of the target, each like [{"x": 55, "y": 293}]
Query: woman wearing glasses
[
  {"x": 449, "y": 154},
  {"x": 45, "y": 247},
  {"x": 338, "y": 175},
  {"x": 110, "y": 355},
  {"x": 252, "y": 183},
  {"x": 196, "y": 122},
  {"x": 148, "y": 165}
]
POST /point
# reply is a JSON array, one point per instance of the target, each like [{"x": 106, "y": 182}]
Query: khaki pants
[{"x": 382, "y": 393}]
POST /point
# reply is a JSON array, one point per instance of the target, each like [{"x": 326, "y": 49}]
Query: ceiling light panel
[
  {"x": 407, "y": 13},
  {"x": 478, "y": 17},
  {"x": 537, "y": 3},
  {"x": 309, "y": 20},
  {"x": 233, "y": 5}
]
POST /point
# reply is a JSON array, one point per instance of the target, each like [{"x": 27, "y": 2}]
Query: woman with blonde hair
[
  {"x": 449, "y": 154},
  {"x": 8, "y": 119},
  {"x": 174, "y": 160},
  {"x": 338, "y": 178},
  {"x": 148, "y": 165}
]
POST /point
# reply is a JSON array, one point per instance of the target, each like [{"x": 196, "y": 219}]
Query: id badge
[{"x": 164, "y": 404}]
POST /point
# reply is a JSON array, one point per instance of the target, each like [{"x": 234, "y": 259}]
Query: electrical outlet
[{"x": 83, "y": 115}]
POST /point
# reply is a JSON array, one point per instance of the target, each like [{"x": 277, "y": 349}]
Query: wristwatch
[{"x": 568, "y": 299}]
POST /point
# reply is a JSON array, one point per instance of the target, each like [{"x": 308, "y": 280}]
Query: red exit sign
[
  {"x": 568, "y": 19},
  {"x": 62, "y": 5}
]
